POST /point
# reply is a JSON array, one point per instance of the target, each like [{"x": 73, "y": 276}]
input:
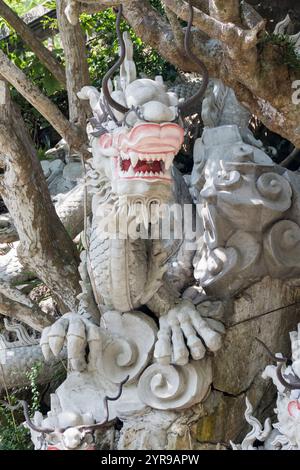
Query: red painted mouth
[
  {"x": 145, "y": 152},
  {"x": 144, "y": 166}
]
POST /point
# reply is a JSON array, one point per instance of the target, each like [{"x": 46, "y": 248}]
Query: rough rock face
[{"x": 268, "y": 310}]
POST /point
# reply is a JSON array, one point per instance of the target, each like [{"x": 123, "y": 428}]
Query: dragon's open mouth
[
  {"x": 140, "y": 165},
  {"x": 146, "y": 152}
]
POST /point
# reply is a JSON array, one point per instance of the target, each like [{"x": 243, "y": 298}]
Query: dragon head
[
  {"x": 137, "y": 129},
  {"x": 137, "y": 156}
]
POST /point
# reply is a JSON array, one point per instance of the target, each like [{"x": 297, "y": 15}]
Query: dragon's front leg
[{"x": 183, "y": 332}]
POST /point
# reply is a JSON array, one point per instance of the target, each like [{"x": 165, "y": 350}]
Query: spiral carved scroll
[
  {"x": 282, "y": 249},
  {"x": 167, "y": 387},
  {"x": 276, "y": 191},
  {"x": 129, "y": 347}
]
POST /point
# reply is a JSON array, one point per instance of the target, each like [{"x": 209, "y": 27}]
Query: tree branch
[
  {"x": 157, "y": 32},
  {"x": 71, "y": 133},
  {"x": 44, "y": 55},
  {"x": 8, "y": 232},
  {"x": 45, "y": 247},
  {"x": 176, "y": 27},
  {"x": 253, "y": 74},
  {"x": 237, "y": 39},
  {"x": 15, "y": 305},
  {"x": 77, "y": 73},
  {"x": 226, "y": 11}
]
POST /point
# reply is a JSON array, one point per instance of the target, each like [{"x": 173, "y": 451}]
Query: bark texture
[
  {"x": 72, "y": 134},
  {"x": 77, "y": 73},
  {"x": 17, "y": 306},
  {"x": 232, "y": 51},
  {"x": 45, "y": 247}
]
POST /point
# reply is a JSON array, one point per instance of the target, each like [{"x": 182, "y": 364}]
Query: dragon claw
[
  {"x": 73, "y": 330},
  {"x": 184, "y": 333}
]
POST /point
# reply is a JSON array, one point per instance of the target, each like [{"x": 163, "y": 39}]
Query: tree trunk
[
  {"x": 77, "y": 72},
  {"x": 17, "y": 306},
  {"x": 71, "y": 133},
  {"x": 45, "y": 247}
]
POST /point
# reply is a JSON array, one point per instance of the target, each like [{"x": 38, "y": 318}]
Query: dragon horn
[
  {"x": 109, "y": 74},
  {"x": 184, "y": 106}
]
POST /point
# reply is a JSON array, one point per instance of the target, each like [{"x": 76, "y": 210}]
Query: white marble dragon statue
[
  {"x": 142, "y": 321},
  {"x": 130, "y": 263}
]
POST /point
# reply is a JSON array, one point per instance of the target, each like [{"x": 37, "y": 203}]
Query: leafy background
[{"x": 102, "y": 50}]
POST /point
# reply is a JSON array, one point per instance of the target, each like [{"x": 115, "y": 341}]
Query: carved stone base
[
  {"x": 267, "y": 310},
  {"x": 159, "y": 430}
]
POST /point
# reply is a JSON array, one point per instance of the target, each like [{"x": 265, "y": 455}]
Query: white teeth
[
  {"x": 130, "y": 172},
  {"x": 134, "y": 159},
  {"x": 168, "y": 163},
  {"x": 151, "y": 173}
]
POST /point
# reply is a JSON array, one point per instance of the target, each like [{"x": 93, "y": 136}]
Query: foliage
[
  {"x": 157, "y": 4},
  {"x": 32, "y": 376},
  {"x": 102, "y": 48},
  {"x": 288, "y": 54},
  {"x": 23, "y": 6},
  {"x": 13, "y": 435}
]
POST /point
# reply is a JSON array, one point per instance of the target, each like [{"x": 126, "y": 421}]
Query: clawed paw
[
  {"x": 183, "y": 332},
  {"x": 74, "y": 330}
]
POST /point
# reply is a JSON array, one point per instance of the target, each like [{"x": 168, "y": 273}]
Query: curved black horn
[
  {"x": 272, "y": 356},
  {"x": 288, "y": 385},
  {"x": 282, "y": 360},
  {"x": 30, "y": 423},
  {"x": 24, "y": 404},
  {"x": 109, "y": 74},
  {"x": 93, "y": 427},
  {"x": 183, "y": 107}
]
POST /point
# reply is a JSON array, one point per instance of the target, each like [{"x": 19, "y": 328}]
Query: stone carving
[
  {"x": 285, "y": 433},
  {"x": 129, "y": 351},
  {"x": 166, "y": 387},
  {"x": 61, "y": 177},
  {"x": 244, "y": 204},
  {"x": 257, "y": 433},
  {"x": 282, "y": 29},
  {"x": 245, "y": 195},
  {"x": 133, "y": 149},
  {"x": 18, "y": 356},
  {"x": 220, "y": 107}
]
